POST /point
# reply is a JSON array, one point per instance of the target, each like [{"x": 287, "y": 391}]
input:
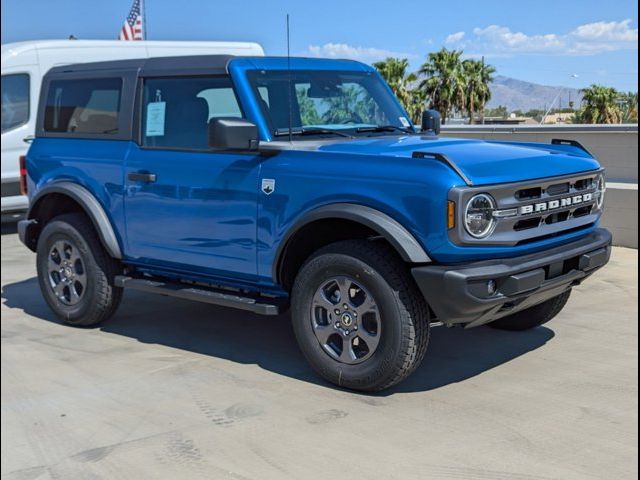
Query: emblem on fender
[{"x": 268, "y": 186}]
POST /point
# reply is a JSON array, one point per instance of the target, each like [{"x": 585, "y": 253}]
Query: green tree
[
  {"x": 394, "y": 71},
  {"x": 477, "y": 78},
  {"x": 599, "y": 105},
  {"x": 444, "y": 83},
  {"x": 535, "y": 113},
  {"x": 629, "y": 103},
  {"x": 308, "y": 112},
  {"x": 500, "y": 112},
  {"x": 353, "y": 105}
]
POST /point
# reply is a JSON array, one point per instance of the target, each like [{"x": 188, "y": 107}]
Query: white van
[{"x": 25, "y": 63}]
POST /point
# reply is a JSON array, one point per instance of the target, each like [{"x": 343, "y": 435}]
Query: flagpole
[{"x": 144, "y": 19}]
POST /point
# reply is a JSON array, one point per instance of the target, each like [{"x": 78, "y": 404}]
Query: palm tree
[
  {"x": 599, "y": 105},
  {"x": 478, "y": 77},
  {"x": 353, "y": 105},
  {"x": 394, "y": 71},
  {"x": 444, "y": 84},
  {"x": 629, "y": 103},
  {"x": 308, "y": 112}
]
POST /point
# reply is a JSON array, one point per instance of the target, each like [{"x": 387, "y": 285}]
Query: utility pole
[{"x": 548, "y": 110}]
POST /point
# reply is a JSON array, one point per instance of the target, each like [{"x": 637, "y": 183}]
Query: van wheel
[
  {"x": 533, "y": 317},
  {"x": 75, "y": 272},
  {"x": 358, "y": 317}
]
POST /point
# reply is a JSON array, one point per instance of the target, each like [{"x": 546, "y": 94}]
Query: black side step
[{"x": 196, "y": 293}]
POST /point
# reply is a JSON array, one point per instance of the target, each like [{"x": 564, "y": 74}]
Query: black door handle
[{"x": 142, "y": 177}]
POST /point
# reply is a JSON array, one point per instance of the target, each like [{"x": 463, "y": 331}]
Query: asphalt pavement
[{"x": 173, "y": 389}]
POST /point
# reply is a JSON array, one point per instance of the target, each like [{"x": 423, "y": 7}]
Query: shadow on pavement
[{"x": 454, "y": 355}]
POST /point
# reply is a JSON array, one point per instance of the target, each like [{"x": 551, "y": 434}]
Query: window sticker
[
  {"x": 405, "y": 123},
  {"x": 155, "y": 119}
]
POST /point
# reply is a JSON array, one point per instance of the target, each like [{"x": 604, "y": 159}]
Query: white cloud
[
  {"x": 607, "y": 31},
  {"x": 363, "y": 54},
  {"x": 588, "y": 39},
  {"x": 454, "y": 37},
  {"x": 502, "y": 40}
]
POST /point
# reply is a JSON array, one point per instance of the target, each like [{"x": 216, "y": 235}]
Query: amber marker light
[{"x": 451, "y": 214}]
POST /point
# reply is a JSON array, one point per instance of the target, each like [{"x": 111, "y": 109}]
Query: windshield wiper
[
  {"x": 311, "y": 131},
  {"x": 383, "y": 128}
]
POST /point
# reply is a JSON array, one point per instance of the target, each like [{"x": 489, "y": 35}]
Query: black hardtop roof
[{"x": 193, "y": 64}]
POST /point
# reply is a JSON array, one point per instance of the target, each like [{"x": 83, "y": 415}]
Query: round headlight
[
  {"x": 478, "y": 215},
  {"x": 601, "y": 187}
]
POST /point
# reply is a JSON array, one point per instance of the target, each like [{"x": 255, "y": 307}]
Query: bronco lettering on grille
[{"x": 555, "y": 204}]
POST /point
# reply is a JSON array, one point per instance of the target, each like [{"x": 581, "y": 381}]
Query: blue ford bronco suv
[{"x": 269, "y": 184}]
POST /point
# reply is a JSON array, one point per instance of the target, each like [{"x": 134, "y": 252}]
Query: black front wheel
[
  {"x": 358, "y": 317},
  {"x": 75, "y": 272}
]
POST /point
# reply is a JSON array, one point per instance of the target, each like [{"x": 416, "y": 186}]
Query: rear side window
[
  {"x": 15, "y": 101},
  {"x": 176, "y": 111},
  {"x": 88, "y": 106}
]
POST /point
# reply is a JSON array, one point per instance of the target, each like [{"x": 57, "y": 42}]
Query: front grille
[
  {"x": 534, "y": 210},
  {"x": 527, "y": 224},
  {"x": 557, "y": 217},
  {"x": 559, "y": 189},
  {"x": 529, "y": 193},
  {"x": 582, "y": 211},
  {"x": 554, "y": 234}
]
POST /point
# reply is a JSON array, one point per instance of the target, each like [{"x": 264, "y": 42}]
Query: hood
[{"x": 482, "y": 162}]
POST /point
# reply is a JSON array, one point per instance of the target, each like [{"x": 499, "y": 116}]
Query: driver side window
[{"x": 176, "y": 111}]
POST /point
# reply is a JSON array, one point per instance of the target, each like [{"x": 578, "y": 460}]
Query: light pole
[{"x": 544, "y": 117}]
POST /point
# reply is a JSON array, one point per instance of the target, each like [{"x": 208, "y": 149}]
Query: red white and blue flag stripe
[{"x": 133, "y": 27}]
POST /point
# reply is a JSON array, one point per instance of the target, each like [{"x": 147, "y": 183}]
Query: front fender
[{"x": 398, "y": 236}]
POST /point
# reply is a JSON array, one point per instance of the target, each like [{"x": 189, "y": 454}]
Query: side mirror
[
  {"x": 431, "y": 121},
  {"x": 233, "y": 134}
]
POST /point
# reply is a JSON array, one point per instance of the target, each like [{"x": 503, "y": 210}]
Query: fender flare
[
  {"x": 92, "y": 208},
  {"x": 398, "y": 236}
]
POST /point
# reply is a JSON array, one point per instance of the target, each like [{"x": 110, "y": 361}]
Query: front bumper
[{"x": 459, "y": 294}]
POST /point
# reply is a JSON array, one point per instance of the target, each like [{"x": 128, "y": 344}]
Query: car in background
[{"x": 25, "y": 63}]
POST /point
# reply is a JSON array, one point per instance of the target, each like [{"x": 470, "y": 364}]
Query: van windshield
[{"x": 327, "y": 102}]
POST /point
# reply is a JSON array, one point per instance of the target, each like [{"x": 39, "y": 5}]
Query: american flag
[{"x": 132, "y": 28}]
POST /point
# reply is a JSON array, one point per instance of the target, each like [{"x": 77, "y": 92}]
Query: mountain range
[{"x": 521, "y": 95}]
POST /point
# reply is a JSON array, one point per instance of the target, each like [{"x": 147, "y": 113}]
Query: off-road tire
[
  {"x": 100, "y": 298},
  {"x": 404, "y": 314},
  {"x": 533, "y": 317}
]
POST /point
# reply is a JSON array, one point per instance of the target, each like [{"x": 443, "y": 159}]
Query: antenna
[
  {"x": 144, "y": 20},
  {"x": 289, "y": 86}
]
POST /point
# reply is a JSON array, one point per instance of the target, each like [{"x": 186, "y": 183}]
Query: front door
[{"x": 188, "y": 208}]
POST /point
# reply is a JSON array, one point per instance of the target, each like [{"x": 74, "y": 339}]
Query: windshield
[{"x": 327, "y": 102}]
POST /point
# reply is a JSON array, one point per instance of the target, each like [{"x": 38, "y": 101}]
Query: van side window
[
  {"x": 176, "y": 111},
  {"x": 15, "y": 100},
  {"x": 87, "y": 106}
]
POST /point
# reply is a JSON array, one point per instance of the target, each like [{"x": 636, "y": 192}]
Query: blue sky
[{"x": 559, "y": 42}]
